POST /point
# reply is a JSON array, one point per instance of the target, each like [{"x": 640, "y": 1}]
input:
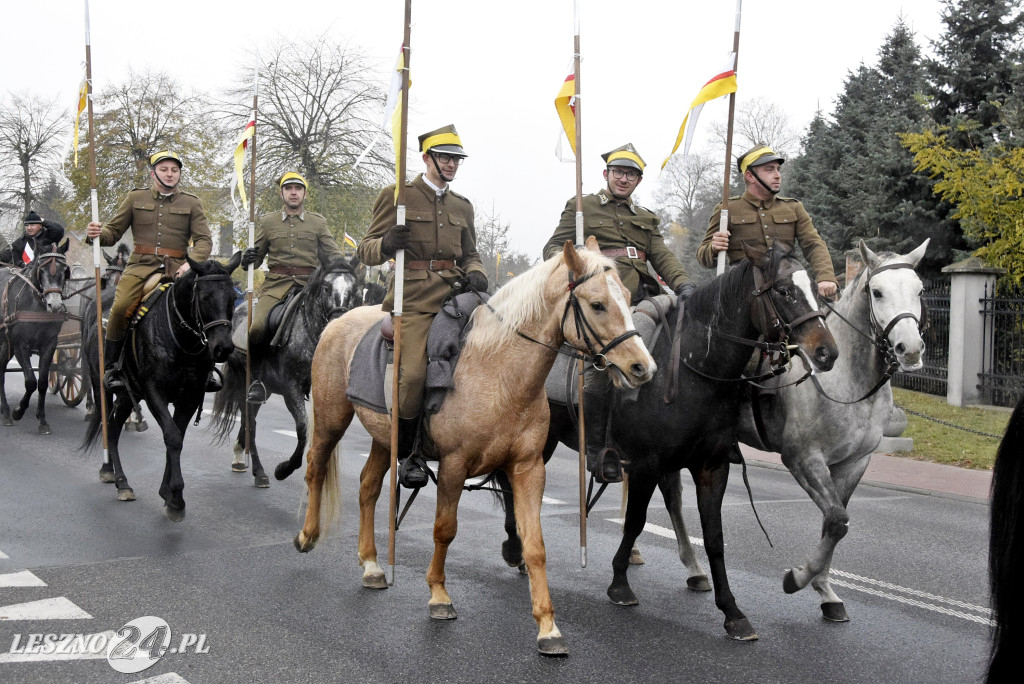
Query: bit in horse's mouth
[{"x": 625, "y": 380}]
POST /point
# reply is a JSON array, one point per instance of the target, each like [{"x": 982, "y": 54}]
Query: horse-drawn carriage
[{"x": 66, "y": 368}]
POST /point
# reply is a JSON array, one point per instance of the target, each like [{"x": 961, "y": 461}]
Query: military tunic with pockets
[
  {"x": 288, "y": 242},
  {"x": 441, "y": 229},
  {"x": 620, "y": 224},
  {"x": 164, "y": 224},
  {"x": 761, "y": 224}
]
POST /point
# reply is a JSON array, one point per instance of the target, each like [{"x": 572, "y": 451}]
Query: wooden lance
[
  {"x": 723, "y": 224},
  {"x": 251, "y": 240}
]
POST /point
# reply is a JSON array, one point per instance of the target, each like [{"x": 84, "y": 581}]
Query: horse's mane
[
  {"x": 1006, "y": 547},
  {"x": 520, "y": 302}
]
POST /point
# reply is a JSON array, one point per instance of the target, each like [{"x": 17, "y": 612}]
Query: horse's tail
[
  {"x": 1006, "y": 548},
  {"x": 330, "y": 490},
  {"x": 229, "y": 401}
]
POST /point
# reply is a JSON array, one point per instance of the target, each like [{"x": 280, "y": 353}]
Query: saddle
[{"x": 279, "y": 321}]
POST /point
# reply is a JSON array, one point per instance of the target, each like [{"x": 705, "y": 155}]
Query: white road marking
[
  {"x": 24, "y": 578},
  {"x": 914, "y": 602},
  {"x": 167, "y": 678},
  {"x": 660, "y": 531},
  {"x": 50, "y": 657},
  {"x": 58, "y": 608},
  {"x": 3, "y": 555},
  {"x": 288, "y": 433}
]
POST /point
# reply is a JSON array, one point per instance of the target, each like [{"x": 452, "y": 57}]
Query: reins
[{"x": 200, "y": 334}]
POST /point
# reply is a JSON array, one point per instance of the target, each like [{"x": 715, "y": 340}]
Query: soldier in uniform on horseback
[
  {"x": 294, "y": 241},
  {"x": 628, "y": 233},
  {"x": 164, "y": 221},
  {"x": 37, "y": 232},
  {"x": 760, "y": 217},
  {"x": 439, "y": 239}
]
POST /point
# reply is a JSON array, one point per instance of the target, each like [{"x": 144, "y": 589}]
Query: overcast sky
[{"x": 493, "y": 69}]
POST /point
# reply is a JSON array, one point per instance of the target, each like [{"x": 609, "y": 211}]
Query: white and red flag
[{"x": 721, "y": 84}]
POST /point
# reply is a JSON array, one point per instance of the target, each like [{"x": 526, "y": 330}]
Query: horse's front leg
[
  {"x": 172, "y": 485},
  {"x": 813, "y": 474},
  {"x": 296, "y": 405},
  {"x": 42, "y": 384},
  {"x": 25, "y": 360},
  {"x": 711, "y": 485},
  {"x": 671, "y": 486},
  {"x": 259, "y": 475},
  {"x": 846, "y": 476},
  {"x": 5, "y": 409},
  {"x": 371, "y": 480},
  {"x": 122, "y": 407},
  {"x": 640, "y": 489},
  {"x": 527, "y": 480},
  {"x": 451, "y": 477}
]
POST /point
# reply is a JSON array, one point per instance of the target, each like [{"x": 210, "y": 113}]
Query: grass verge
[{"x": 943, "y": 444}]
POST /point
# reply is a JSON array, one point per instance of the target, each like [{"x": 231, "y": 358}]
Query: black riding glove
[
  {"x": 395, "y": 239},
  {"x": 685, "y": 290},
  {"x": 477, "y": 280},
  {"x": 251, "y": 257}
]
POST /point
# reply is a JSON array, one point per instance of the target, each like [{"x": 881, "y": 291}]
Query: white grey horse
[{"x": 827, "y": 429}]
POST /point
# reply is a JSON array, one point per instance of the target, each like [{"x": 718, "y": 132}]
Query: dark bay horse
[
  {"x": 496, "y": 417},
  {"x": 333, "y": 288},
  {"x": 1006, "y": 551},
  {"x": 169, "y": 353},
  {"x": 31, "y": 314},
  {"x": 767, "y": 295}
]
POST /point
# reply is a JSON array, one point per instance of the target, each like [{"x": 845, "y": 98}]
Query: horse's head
[
  {"x": 205, "y": 298},
  {"x": 117, "y": 263},
  {"x": 335, "y": 287},
  {"x": 49, "y": 271},
  {"x": 893, "y": 291},
  {"x": 597, "y": 318},
  {"x": 785, "y": 309}
]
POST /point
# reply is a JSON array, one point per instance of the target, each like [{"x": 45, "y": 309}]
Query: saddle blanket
[{"x": 368, "y": 368}]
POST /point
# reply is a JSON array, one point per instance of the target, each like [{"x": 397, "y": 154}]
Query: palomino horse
[
  {"x": 169, "y": 353},
  {"x": 827, "y": 429},
  {"x": 496, "y": 417},
  {"x": 333, "y": 289},
  {"x": 688, "y": 418},
  {"x": 1006, "y": 551},
  {"x": 31, "y": 314}
]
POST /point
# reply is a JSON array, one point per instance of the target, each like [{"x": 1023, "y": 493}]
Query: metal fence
[
  {"x": 1002, "y": 371},
  {"x": 932, "y": 377}
]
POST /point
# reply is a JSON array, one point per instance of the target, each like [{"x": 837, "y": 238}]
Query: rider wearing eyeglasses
[
  {"x": 439, "y": 239},
  {"x": 628, "y": 233},
  {"x": 760, "y": 217}
]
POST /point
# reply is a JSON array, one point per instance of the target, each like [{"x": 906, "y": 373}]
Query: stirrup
[
  {"x": 257, "y": 393},
  {"x": 412, "y": 472},
  {"x": 113, "y": 379},
  {"x": 608, "y": 468}
]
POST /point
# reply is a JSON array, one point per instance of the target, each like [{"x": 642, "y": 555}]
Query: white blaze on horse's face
[
  {"x": 892, "y": 293},
  {"x": 803, "y": 284},
  {"x": 631, "y": 379}
]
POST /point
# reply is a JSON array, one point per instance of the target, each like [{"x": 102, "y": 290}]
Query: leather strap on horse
[
  {"x": 159, "y": 251},
  {"x": 431, "y": 265},
  {"x": 677, "y": 341},
  {"x": 292, "y": 270}
]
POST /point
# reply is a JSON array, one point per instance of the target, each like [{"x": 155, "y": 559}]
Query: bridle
[
  {"x": 314, "y": 307},
  {"x": 198, "y": 328},
  {"x": 879, "y": 336}
]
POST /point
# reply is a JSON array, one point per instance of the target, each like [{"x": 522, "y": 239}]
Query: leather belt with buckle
[
  {"x": 432, "y": 265},
  {"x": 160, "y": 251},
  {"x": 630, "y": 251}
]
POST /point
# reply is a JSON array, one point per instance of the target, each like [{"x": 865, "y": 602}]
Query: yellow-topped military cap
[
  {"x": 444, "y": 140},
  {"x": 756, "y": 156},
  {"x": 624, "y": 156},
  {"x": 293, "y": 177},
  {"x": 164, "y": 154}
]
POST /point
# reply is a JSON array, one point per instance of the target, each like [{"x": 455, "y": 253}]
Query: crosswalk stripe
[
  {"x": 288, "y": 433},
  {"x": 3, "y": 555},
  {"x": 58, "y": 608},
  {"x": 23, "y": 578},
  {"x": 167, "y": 678},
  {"x": 660, "y": 531}
]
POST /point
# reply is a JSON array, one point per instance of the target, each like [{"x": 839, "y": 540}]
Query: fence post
[{"x": 968, "y": 279}]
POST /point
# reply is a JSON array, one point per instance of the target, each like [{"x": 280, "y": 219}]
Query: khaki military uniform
[
  {"x": 630, "y": 233},
  {"x": 293, "y": 245},
  {"x": 163, "y": 227},
  {"x": 442, "y": 251},
  {"x": 763, "y": 223}
]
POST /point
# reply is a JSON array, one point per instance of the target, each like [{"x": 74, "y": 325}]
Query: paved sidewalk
[{"x": 905, "y": 473}]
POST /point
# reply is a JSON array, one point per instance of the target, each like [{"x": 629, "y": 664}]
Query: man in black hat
[
  {"x": 439, "y": 239},
  {"x": 760, "y": 218},
  {"x": 37, "y": 232}
]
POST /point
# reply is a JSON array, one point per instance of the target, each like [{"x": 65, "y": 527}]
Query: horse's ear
[
  {"x": 870, "y": 258},
  {"x": 324, "y": 260},
  {"x": 571, "y": 258},
  {"x": 918, "y": 254},
  {"x": 357, "y": 266},
  {"x": 754, "y": 254},
  {"x": 106, "y": 256},
  {"x": 592, "y": 245},
  {"x": 63, "y": 246},
  {"x": 234, "y": 261}
]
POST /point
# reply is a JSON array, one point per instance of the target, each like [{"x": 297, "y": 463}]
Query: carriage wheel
[{"x": 69, "y": 372}]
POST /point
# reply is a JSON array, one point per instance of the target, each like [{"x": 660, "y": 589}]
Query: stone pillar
[{"x": 968, "y": 280}]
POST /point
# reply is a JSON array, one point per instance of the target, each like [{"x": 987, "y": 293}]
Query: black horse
[
  {"x": 1006, "y": 551},
  {"x": 333, "y": 288},
  {"x": 687, "y": 416},
  {"x": 169, "y": 353},
  {"x": 31, "y": 314}
]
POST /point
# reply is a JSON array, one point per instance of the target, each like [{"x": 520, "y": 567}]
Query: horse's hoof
[
  {"x": 789, "y": 584},
  {"x": 262, "y": 481},
  {"x": 44, "y": 429},
  {"x": 16, "y": 414},
  {"x": 522, "y": 569},
  {"x": 699, "y": 583},
  {"x": 552, "y": 646},
  {"x": 622, "y": 595},
  {"x": 283, "y": 470},
  {"x": 174, "y": 514},
  {"x": 141, "y": 426},
  {"x": 107, "y": 476},
  {"x": 740, "y": 630},
  {"x": 442, "y": 611},
  {"x": 239, "y": 467},
  {"x": 303, "y": 546},
  {"x": 129, "y": 426},
  {"x": 125, "y": 494},
  {"x": 375, "y": 581},
  {"x": 835, "y": 612},
  {"x": 635, "y": 558},
  {"x": 6, "y": 420}
]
